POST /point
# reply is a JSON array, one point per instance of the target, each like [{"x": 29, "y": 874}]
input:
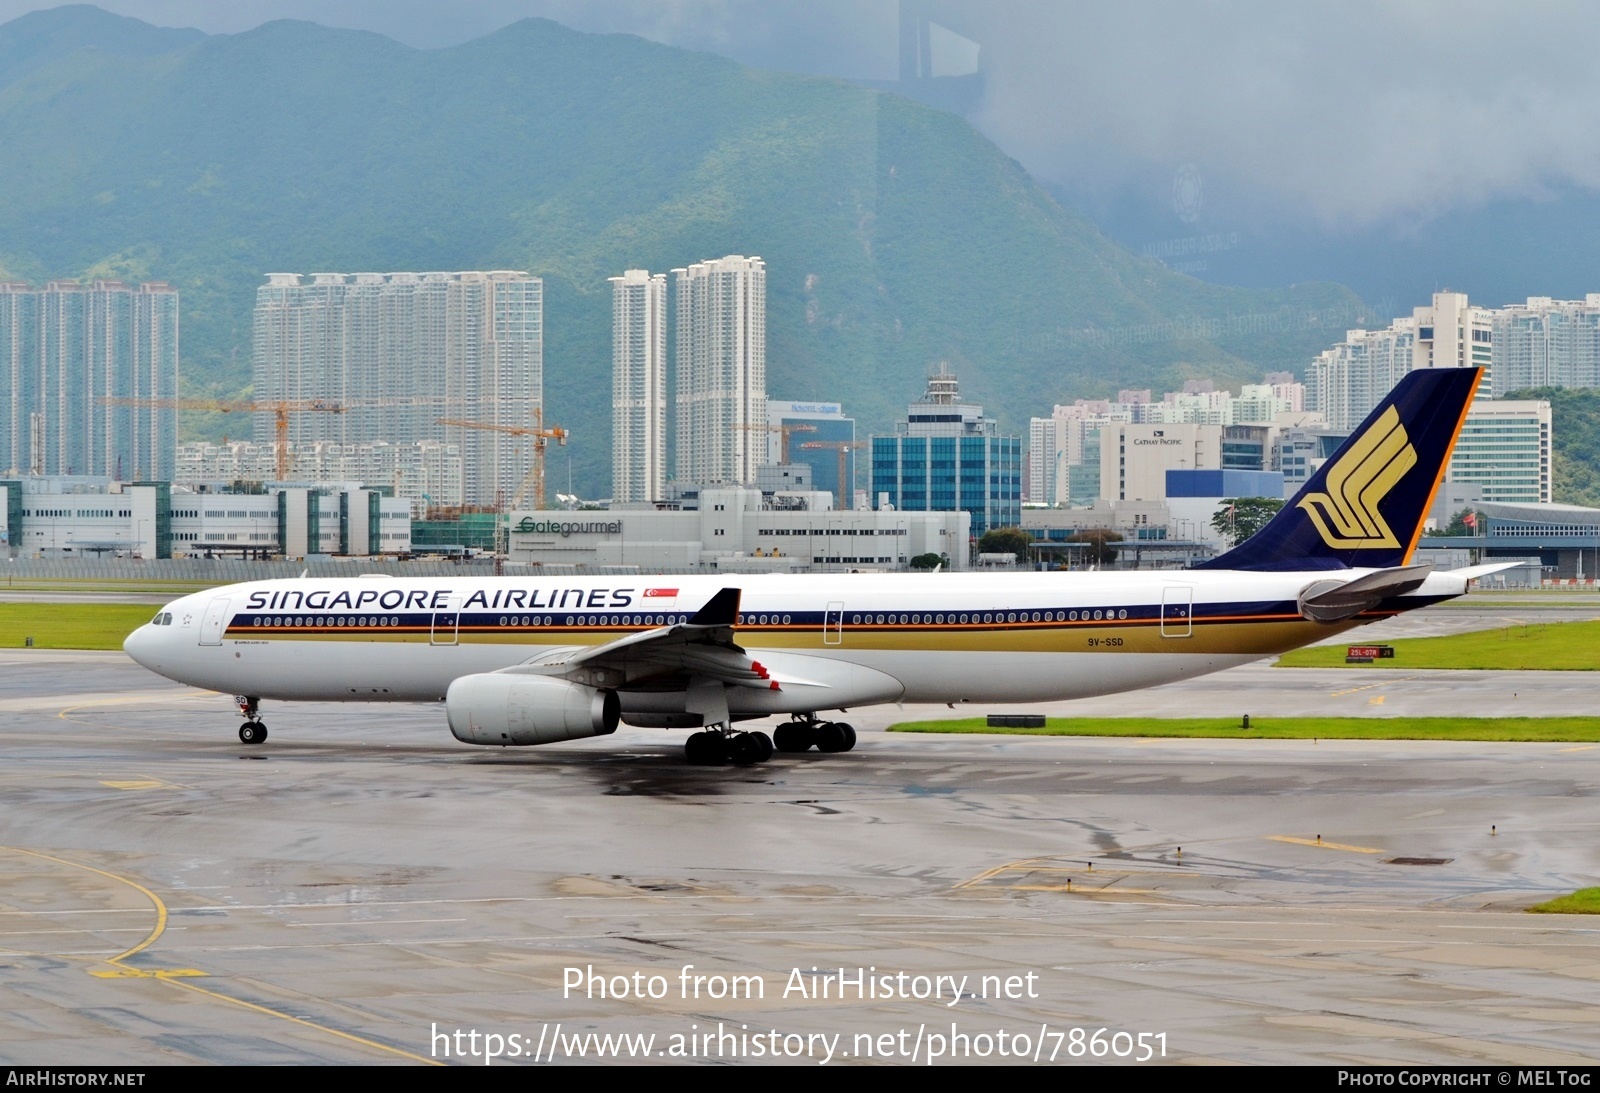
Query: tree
[
  {"x": 1006, "y": 541},
  {"x": 1465, "y": 522},
  {"x": 929, "y": 560},
  {"x": 1238, "y": 518},
  {"x": 1100, "y": 551}
]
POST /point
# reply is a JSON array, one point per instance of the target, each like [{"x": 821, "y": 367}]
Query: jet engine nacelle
[{"x": 506, "y": 709}]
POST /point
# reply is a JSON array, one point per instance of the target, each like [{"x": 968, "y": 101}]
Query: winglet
[{"x": 720, "y": 610}]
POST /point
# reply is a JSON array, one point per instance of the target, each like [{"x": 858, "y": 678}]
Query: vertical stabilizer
[{"x": 1366, "y": 505}]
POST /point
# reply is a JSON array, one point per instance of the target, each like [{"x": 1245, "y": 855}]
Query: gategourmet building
[{"x": 738, "y": 528}]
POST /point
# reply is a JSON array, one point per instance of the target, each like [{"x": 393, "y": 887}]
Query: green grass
[
  {"x": 1562, "y": 646},
  {"x": 106, "y": 584},
  {"x": 1585, "y": 901},
  {"x": 1569, "y": 729},
  {"x": 70, "y": 625}
]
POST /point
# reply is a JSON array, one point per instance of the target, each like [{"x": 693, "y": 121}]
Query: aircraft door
[
  {"x": 833, "y": 624},
  {"x": 211, "y": 626},
  {"x": 1177, "y": 610},
  {"x": 447, "y": 622}
]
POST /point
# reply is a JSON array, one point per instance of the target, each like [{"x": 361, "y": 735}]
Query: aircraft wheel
[
  {"x": 831, "y": 737},
  {"x": 747, "y": 748},
  {"x": 849, "y": 735},
  {"x": 796, "y": 736},
  {"x": 252, "y": 732},
  {"x": 705, "y": 748}
]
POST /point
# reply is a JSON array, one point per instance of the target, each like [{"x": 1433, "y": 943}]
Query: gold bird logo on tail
[{"x": 1347, "y": 515}]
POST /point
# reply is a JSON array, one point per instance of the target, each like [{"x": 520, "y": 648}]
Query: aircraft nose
[{"x": 141, "y": 645}]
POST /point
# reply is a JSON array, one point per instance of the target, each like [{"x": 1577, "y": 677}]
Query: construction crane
[
  {"x": 843, "y": 448},
  {"x": 541, "y": 436},
  {"x": 280, "y": 410},
  {"x": 786, "y": 430}
]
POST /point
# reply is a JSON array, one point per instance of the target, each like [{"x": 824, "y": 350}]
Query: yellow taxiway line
[{"x": 178, "y": 976}]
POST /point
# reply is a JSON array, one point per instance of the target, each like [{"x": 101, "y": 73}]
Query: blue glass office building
[{"x": 946, "y": 456}]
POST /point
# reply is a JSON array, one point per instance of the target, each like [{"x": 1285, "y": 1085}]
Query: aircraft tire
[
  {"x": 705, "y": 748},
  {"x": 796, "y": 736},
  {"x": 252, "y": 732},
  {"x": 849, "y": 735},
  {"x": 831, "y": 737},
  {"x": 750, "y": 747}
]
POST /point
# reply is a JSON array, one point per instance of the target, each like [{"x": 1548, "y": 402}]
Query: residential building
[
  {"x": 1346, "y": 381},
  {"x": 1453, "y": 334},
  {"x": 396, "y": 352},
  {"x": 1041, "y": 462},
  {"x": 1547, "y": 343},
  {"x": 721, "y": 361},
  {"x": 948, "y": 456},
  {"x": 85, "y": 369},
  {"x": 1064, "y": 446},
  {"x": 638, "y": 386}
]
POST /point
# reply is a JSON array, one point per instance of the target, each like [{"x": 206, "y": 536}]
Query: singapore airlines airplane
[{"x": 534, "y": 660}]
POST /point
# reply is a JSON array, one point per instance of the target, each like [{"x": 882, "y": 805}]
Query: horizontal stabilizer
[
  {"x": 1334, "y": 600},
  {"x": 1474, "y": 572}
]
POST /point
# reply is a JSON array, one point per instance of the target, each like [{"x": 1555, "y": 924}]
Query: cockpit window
[{"x": 163, "y": 618}]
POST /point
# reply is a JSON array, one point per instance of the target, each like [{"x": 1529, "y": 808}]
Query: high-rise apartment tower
[
  {"x": 638, "y": 386},
  {"x": 66, "y": 351},
  {"x": 721, "y": 360},
  {"x": 398, "y": 351}
]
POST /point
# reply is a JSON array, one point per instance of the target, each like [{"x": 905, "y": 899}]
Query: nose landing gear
[{"x": 252, "y": 731}]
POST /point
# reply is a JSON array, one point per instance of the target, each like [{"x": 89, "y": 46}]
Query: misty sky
[{"x": 1344, "y": 115}]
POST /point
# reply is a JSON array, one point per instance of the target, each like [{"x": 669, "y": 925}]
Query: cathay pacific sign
[{"x": 529, "y": 526}]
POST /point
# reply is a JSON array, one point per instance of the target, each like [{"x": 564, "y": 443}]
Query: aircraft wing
[{"x": 667, "y": 656}]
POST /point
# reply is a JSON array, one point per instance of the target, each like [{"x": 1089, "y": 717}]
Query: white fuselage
[{"x": 829, "y": 642}]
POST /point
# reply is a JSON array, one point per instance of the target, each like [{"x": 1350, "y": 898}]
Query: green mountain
[{"x": 895, "y": 236}]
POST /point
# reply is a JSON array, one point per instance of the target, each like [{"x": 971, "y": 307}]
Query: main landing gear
[
  {"x": 252, "y": 731},
  {"x": 805, "y": 732},
  {"x": 718, "y": 744}
]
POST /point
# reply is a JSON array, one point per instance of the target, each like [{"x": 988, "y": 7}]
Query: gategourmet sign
[{"x": 529, "y": 526}]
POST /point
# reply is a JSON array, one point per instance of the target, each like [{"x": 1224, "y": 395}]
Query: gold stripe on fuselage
[{"x": 1263, "y": 634}]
